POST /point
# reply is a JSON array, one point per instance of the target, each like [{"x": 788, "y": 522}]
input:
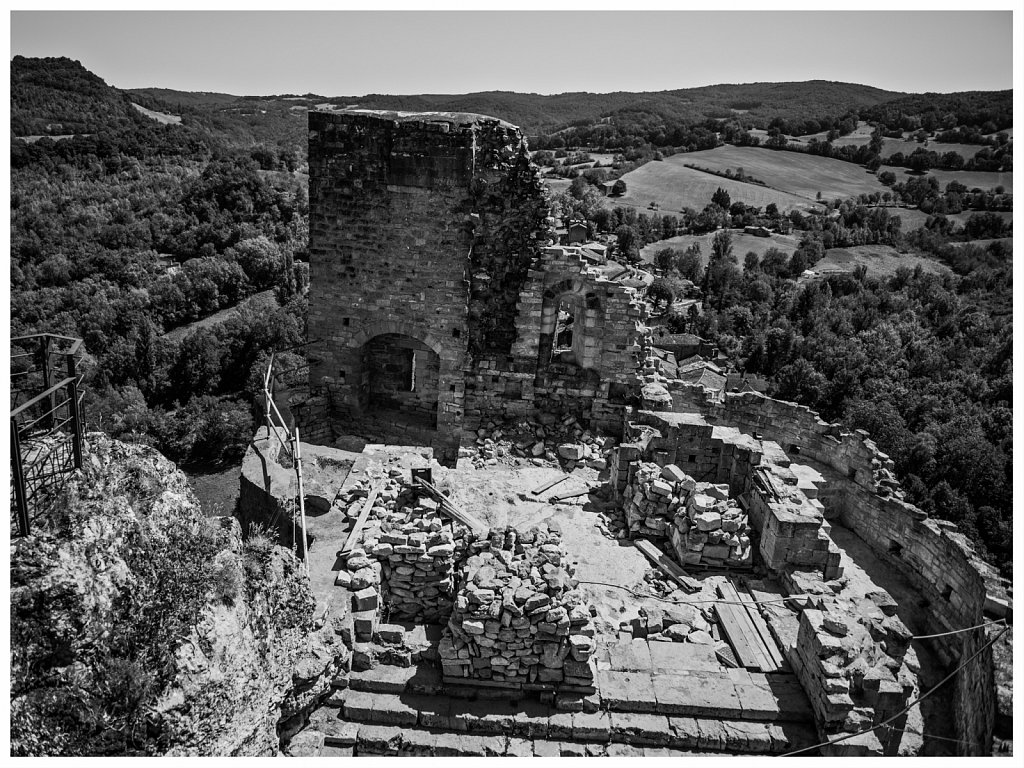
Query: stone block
[
  {"x": 640, "y": 728},
  {"x": 365, "y": 600}
]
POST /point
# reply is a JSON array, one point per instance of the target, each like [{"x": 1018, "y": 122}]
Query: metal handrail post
[
  {"x": 76, "y": 422},
  {"x": 19, "y": 481},
  {"x": 44, "y": 351},
  {"x": 302, "y": 498}
]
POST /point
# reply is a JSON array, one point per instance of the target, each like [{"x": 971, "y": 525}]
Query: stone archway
[{"x": 400, "y": 378}]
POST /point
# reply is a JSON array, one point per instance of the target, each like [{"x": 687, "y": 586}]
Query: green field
[
  {"x": 880, "y": 260},
  {"x": 798, "y": 174},
  {"x": 741, "y": 244},
  {"x": 987, "y": 180},
  {"x": 861, "y": 137},
  {"x": 674, "y": 186}
]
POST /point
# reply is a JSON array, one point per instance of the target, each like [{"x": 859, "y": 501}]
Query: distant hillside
[
  {"x": 544, "y": 114},
  {"x": 57, "y": 96}
]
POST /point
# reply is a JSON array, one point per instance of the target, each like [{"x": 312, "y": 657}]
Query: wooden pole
[{"x": 302, "y": 499}]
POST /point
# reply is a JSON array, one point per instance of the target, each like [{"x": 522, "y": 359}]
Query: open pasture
[
  {"x": 880, "y": 260},
  {"x": 674, "y": 186},
  {"x": 791, "y": 172}
]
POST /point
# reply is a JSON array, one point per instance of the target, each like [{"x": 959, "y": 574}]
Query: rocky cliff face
[{"x": 140, "y": 627}]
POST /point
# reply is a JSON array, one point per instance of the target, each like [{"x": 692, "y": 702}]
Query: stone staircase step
[
  {"x": 438, "y": 725},
  {"x": 397, "y": 680}
]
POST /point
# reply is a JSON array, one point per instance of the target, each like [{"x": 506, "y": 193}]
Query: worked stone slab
[
  {"x": 627, "y": 691},
  {"x": 697, "y": 693},
  {"x": 640, "y": 728}
]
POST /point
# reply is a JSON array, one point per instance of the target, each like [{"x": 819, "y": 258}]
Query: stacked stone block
[
  {"x": 518, "y": 617},
  {"x": 704, "y": 524},
  {"x": 854, "y": 671},
  {"x": 417, "y": 555}
]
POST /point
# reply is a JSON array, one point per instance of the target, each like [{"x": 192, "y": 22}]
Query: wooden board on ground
[
  {"x": 739, "y": 630},
  {"x": 674, "y": 571},
  {"x": 762, "y": 628},
  {"x": 448, "y": 507},
  {"x": 364, "y": 513},
  {"x": 566, "y": 496},
  {"x": 550, "y": 484}
]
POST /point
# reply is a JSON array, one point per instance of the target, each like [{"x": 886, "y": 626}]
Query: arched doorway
[{"x": 400, "y": 377}]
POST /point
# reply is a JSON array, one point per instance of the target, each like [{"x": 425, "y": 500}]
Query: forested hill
[
  {"x": 58, "y": 96},
  {"x": 543, "y": 114}
]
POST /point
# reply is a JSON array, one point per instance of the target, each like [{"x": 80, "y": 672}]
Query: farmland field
[
  {"x": 741, "y": 244},
  {"x": 1006, "y": 241},
  {"x": 861, "y": 137},
  {"x": 792, "y": 172},
  {"x": 880, "y": 260},
  {"x": 674, "y": 186},
  {"x": 986, "y": 180}
]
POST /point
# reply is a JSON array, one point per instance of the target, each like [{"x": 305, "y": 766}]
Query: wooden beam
[
  {"x": 449, "y": 508},
  {"x": 364, "y": 513},
  {"x": 673, "y": 570},
  {"x": 762, "y": 628},
  {"x": 740, "y": 631},
  {"x": 551, "y": 484},
  {"x": 566, "y": 496}
]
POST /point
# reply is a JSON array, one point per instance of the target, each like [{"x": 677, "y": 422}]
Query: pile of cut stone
[
  {"x": 418, "y": 554},
  {"x": 547, "y": 440},
  {"x": 705, "y": 525},
  {"x": 518, "y": 616},
  {"x": 406, "y": 554}
]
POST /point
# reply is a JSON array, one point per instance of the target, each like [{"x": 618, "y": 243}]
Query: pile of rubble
[
  {"x": 676, "y": 622},
  {"x": 549, "y": 440},
  {"x": 406, "y": 555},
  {"x": 518, "y": 616},
  {"x": 417, "y": 553},
  {"x": 705, "y": 525}
]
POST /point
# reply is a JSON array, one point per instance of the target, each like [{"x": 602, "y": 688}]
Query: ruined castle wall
[
  {"x": 388, "y": 250},
  {"x": 609, "y": 335},
  {"x": 931, "y": 554}
]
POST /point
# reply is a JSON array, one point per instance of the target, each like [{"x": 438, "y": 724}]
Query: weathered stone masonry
[{"x": 433, "y": 289}]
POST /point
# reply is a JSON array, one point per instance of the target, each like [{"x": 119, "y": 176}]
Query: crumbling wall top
[{"x": 455, "y": 121}]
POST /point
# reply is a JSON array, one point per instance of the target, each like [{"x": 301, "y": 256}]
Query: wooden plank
[
  {"x": 672, "y": 570},
  {"x": 741, "y": 632},
  {"x": 538, "y": 491},
  {"x": 762, "y": 628},
  {"x": 746, "y": 652},
  {"x": 449, "y": 508},
  {"x": 565, "y": 496},
  {"x": 364, "y": 513}
]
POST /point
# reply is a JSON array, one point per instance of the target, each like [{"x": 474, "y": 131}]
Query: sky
[{"x": 352, "y": 53}]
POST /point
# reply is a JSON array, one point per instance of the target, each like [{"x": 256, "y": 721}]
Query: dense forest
[
  {"x": 139, "y": 228},
  {"x": 135, "y": 228}
]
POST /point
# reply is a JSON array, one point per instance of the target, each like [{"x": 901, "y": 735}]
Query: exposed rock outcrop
[{"x": 140, "y": 627}]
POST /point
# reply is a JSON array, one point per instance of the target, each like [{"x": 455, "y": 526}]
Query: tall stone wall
[{"x": 392, "y": 198}]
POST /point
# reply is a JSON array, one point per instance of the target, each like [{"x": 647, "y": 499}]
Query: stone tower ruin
[{"x": 435, "y": 291}]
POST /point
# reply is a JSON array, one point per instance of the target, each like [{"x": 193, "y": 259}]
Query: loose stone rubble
[
  {"x": 518, "y": 617},
  {"x": 546, "y": 441},
  {"x": 705, "y": 525}
]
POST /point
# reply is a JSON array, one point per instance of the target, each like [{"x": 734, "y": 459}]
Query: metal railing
[
  {"x": 290, "y": 449},
  {"x": 47, "y": 422}
]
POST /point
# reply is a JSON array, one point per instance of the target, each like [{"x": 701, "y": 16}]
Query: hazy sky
[{"x": 354, "y": 52}]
